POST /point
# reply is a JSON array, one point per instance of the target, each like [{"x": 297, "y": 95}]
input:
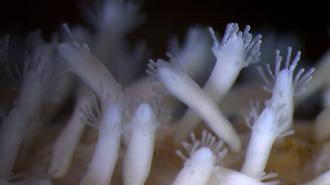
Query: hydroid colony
[{"x": 124, "y": 131}]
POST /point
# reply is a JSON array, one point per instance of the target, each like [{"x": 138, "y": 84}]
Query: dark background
[{"x": 309, "y": 21}]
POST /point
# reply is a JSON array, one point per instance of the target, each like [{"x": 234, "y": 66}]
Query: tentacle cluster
[
  {"x": 251, "y": 45},
  {"x": 207, "y": 140},
  {"x": 298, "y": 79}
]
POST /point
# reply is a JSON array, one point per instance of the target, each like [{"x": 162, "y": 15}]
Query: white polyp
[
  {"x": 206, "y": 139},
  {"x": 283, "y": 87},
  {"x": 90, "y": 70},
  {"x": 105, "y": 156},
  {"x": 22, "y": 116},
  {"x": 323, "y": 179},
  {"x": 229, "y": 62},
  {"x": 225, "y": 176},
  {"x": 282, "y": 96},
  {"x": 219, "y": 83},
  {"x": 14, "y": 127},
  {"x": 139, "y": 153},
  {"x": 287, "y": 83},
  {"x": 179, "y": 84},
  {"x": 197, "y": 169},
  {"x": 222, "y": 78},
  {"x": 68, "y": 140},
  {"x": 231, "y": 57},
  {"x": 264, "y": 133}
]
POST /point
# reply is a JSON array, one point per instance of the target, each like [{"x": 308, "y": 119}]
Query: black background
[{"x": 310, "y": 21}]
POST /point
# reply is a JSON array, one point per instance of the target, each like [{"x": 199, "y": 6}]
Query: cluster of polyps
[
  {"x": 276, "y": 119},
  {"x": 203, "y": 166},
  {"x": 139, "y": 127},
  {"x": 37, "y": 78},
  {"x": 286, "y": 83},
  {"x": 269, "y": 125},
  {"x": 236, "y": 50},
  {"x": 137, "y": 160}
]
